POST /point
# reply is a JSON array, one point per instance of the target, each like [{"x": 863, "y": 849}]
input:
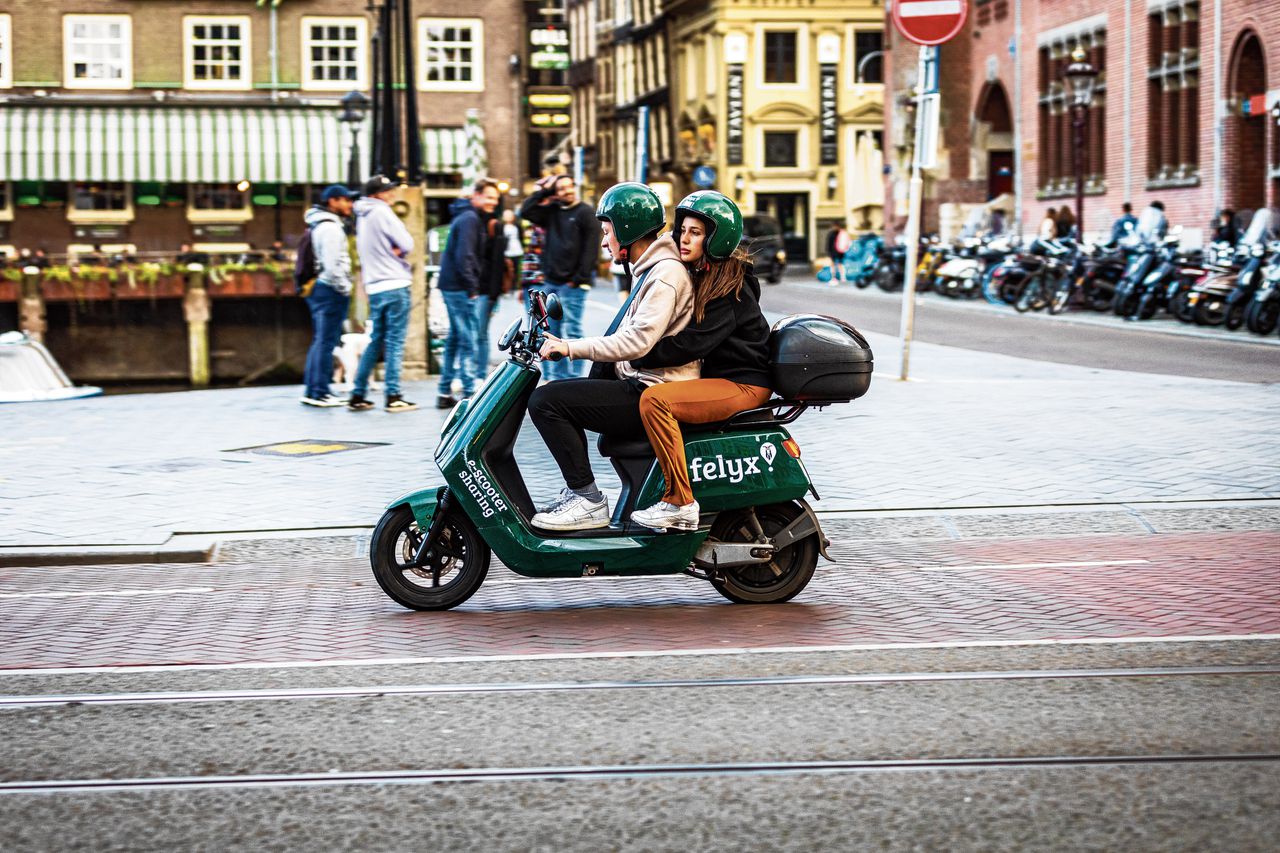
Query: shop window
[
  {"x": 868, "y": 45},
  {"x": 217, "y": 53},
  {"x": 451, "y": 54},
  {"x": 333, "y": 53},
  {"x": 780, "y": 57},
  {"x": 294, "y": 195},
  {"x": 6, "y": 201},
  {"x": 780, "y": 149},
  {"x": 97, "y": 52},
  {"x": 100, "y": 202},
  {"x": 224, "y": 203}
]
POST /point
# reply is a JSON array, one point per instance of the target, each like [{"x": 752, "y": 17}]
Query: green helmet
[
  {"x": 634, "y": 210},
  {"x": 722, "y": 218}
]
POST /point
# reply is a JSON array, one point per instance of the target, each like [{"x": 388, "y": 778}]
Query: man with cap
[
  {"x": 332, "y": 292},
  {"x": 384, "y": 244}
]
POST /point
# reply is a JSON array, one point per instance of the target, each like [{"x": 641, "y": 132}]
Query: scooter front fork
[{"x": 424, "y": 552}]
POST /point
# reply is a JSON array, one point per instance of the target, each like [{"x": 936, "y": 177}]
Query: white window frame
[
  {"x": 476, "y": 83},
  {"x": 189, "y": 23},
  {"x": 224, "y": 215},
  {"x": 83, "y": 217},
  {"x": 802, "y": 55},
  {"x": 69, "y": 80},
  {"x": 362, "y": 53},
  {"x": 6, "y": 51}
]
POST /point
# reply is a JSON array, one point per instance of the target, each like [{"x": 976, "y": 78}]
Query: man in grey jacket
[
  {"x": 384, "y": 244},
  {"x": 332, "y": 292}
]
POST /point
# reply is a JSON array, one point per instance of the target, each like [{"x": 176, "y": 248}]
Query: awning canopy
[
  {"x": 444, "y": 149},
  {"x": 285, "y": 145}
]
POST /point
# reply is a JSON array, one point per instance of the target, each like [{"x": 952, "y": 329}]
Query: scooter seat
[{"x": 632, "y": 447}]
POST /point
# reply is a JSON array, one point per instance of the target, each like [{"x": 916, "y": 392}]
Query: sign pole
[{"x": 923, "y": 157}]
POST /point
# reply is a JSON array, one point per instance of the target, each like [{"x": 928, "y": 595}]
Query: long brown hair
[{"x": 718, "y": 278}]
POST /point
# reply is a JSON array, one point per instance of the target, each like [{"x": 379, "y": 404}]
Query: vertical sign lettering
[
  {"x": 830, "y": 150},
  {"x": 733, "y": 121}
]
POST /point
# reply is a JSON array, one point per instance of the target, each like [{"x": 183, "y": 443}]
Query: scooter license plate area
[{"x": 735, "y": 469}]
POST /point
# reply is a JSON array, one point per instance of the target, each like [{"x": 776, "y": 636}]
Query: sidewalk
[{"x": 974, "y": 430}]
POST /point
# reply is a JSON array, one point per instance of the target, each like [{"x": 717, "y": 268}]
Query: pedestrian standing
[
  {"x": 493, "y": 267},
  {"x": 1049, "y": 225},
  {"x": 569, "y": 258},
  {"x": 331, "y": 296},
  {"x": 384, "y": 244},
  {"x": 1124, "y": 225},
  {"x": 1152, "y": 223},
  {"x": 461, "y": 269},
  {"x": 1225, "y": 230},
  {"x": 1066, "y": 221},
  {"x": 838, "y": 244}
]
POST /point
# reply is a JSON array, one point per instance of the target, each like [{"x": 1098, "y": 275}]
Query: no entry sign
[{"x": 929, "y": 22}]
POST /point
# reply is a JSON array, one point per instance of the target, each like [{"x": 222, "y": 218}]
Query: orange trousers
[{"x": 665, "y": 406}]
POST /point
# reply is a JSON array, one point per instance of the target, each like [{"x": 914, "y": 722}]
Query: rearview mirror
[
  {"x": 504, "y": 343},
  {"x": 554, "y": 309}
]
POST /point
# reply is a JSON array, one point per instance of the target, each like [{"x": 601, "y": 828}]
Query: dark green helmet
[
  {"x": 634, "y": 210},
  {"x": 722, "y": 218}
]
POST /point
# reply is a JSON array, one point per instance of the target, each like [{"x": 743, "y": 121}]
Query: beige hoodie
[{"x": 663, "y": 307}]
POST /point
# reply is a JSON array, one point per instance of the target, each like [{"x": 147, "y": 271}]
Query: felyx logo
[{"x": 734, "y": 469}]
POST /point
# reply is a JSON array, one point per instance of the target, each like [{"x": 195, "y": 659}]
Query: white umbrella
[
  {"x": 868, "y": 183},
  {"x": 475, "y": 161}
]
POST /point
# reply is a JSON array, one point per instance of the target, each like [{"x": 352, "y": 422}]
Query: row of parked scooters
[{"x": 1136, "y": 278}]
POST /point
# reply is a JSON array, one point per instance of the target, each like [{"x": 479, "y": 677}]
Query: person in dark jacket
[
  {"x": 728, "y": 333},
  {"x": 492, "y": 269},
  {"x": 1225, "y": 230},
  {"x": 461, "y": 272},
  {"x": 569, "y": 259}
]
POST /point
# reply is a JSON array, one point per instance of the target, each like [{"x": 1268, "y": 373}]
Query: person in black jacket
[
  {"x": 569, "y": 258},
  {"x": 492, "y": 266},
  {"x": 728, "y": 334},
  {"x": 459, "y": 282}
]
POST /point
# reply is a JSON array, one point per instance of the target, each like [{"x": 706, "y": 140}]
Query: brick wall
[{"x": 1250, "y": 146}]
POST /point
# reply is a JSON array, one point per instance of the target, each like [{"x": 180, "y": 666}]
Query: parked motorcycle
[{"x": 1263, "y": 314}]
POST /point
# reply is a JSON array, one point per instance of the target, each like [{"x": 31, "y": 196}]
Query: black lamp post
[
  {"x": 354, "y": 105},
  {"x": 1080, "y": 78}
]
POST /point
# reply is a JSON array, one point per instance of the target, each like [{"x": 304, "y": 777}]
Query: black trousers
[{"x": 563, "y": 410}]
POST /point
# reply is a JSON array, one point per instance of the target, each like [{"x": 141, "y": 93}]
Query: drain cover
[{"x": 307, "y": 447}]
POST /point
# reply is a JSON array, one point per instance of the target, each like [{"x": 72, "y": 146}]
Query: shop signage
[
  {"x": 830, "y": 149},
  {"x": 549, "y": 48},
  {"x": 733, "y": 120}
]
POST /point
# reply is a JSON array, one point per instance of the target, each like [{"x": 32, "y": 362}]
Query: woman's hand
[{"x": 553, "y": 349}]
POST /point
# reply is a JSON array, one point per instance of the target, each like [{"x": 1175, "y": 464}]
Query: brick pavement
[
  {"x": 973, "y": 430},
  {"x": 314, "y": 599}
]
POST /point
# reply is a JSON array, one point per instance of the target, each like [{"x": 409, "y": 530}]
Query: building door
[
  {"x": 999, "y": 173},
  {"x": 792, "y": 212},
  {"x": 1247, "y": 130}
]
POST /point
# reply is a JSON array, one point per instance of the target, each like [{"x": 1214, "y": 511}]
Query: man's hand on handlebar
[{"x": 553, "y": 349}]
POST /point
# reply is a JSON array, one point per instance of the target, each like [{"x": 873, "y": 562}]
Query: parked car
[{"x": 762, "y": 240}]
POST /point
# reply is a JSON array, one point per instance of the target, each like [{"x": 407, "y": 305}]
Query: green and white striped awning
[
  {"x": 444, "y": 149},
  {"x": 284, "y": 145}
]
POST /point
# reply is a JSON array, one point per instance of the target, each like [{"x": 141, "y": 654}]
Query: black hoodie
[
  {"x": 732, "y": 339},
  {"x": 573, "y": 238}
]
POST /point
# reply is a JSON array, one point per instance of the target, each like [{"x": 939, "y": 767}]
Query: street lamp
[
  {"x": 1080, "y": 78},
  {"x": 354, "y": 105}
]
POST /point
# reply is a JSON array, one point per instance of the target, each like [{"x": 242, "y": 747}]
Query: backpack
[{"x": 305, "y": 269}]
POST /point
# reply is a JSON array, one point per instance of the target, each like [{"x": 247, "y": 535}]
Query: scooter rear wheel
[
  {"x": 458, "y": 567},
  {"x": 783, "y": 577}
]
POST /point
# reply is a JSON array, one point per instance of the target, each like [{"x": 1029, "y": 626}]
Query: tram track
[
  {"x": 378, "y": 691},
  {"x": 620, "y": 772}
]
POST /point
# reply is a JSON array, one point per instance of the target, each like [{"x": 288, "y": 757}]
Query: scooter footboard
[{"x": 726, "y": 466}]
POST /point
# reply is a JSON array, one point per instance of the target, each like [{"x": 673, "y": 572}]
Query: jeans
[
  {"x": 389, "y": 313},
  {"x": 562, "y": 410},
  {"x": 459, "y": 348},
  {"x": 328, "y": 310},
  {"x": 572, "y": 299},
  {"x": 485, "y": 306}
]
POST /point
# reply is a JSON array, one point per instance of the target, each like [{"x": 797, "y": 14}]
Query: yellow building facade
[{"x": 779, "y": 104}]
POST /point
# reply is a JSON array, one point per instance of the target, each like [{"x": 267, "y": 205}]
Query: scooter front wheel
[
  {"x": 458, "y": 562},
  {"x": 784, "y": 576}
]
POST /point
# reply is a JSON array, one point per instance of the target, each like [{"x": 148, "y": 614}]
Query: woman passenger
[{"x": 727, "y": 332}]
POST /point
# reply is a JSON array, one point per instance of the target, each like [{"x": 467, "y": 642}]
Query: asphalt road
[
  {"x": 1014, "y": 755},
  {"x": 1080, "y": 338}
]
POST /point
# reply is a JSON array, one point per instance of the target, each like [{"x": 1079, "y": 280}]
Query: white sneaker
[
  {"x": 575, "y": 513},
  {"x": 565, "y": 494},
  {"x": 328, "y": 401},
  {"x": 664, "y": 516}
]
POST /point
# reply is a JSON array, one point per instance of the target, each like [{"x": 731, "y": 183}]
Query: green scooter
[{"x": 758, "y": 541}]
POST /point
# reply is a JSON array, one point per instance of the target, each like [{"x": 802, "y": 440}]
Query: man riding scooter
[{"x": 661, "y": 303}]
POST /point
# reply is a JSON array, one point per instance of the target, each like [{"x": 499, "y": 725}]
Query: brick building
[
  {"x": 1181, "y": 113},
  {"x": 144, "y": 124}
]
